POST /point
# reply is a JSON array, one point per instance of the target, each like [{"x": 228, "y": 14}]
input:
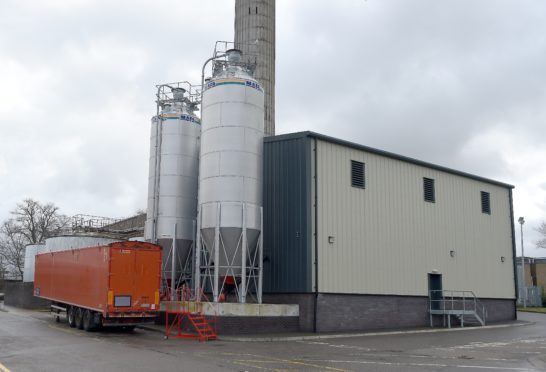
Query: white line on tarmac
[
  {"x": 424, "y": 365},
  {"x": 4, "y": 368},
  {"x": 353, "y": 335}
]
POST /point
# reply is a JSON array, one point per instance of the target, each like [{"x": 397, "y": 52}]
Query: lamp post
[{"x": 521, "y": 221}]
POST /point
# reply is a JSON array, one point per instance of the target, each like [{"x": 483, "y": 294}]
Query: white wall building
[{"x": 352, "y": 234}]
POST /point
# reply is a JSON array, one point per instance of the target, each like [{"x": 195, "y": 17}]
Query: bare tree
[
  {"x": 32, "y": 223},
  {"x": 542, "y": 230}
]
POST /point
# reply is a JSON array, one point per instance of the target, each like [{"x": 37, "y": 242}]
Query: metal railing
[{"x": 456, "y": 302}]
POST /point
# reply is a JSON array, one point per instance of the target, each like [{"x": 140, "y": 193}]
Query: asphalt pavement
[{"x": 33, "y": 341}]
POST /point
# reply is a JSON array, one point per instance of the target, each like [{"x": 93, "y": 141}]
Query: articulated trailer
[{"x": 111, "y": 285}]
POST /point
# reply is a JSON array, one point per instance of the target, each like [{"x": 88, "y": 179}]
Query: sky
[{"x": 456, "y": 83}]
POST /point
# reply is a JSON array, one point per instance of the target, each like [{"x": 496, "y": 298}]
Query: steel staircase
[
  {"x": 463, "y": 305},
  {"x": 184, "y": 318},
  {"x": 202, "y": 327}
]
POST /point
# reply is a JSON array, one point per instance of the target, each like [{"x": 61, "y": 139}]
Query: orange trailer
[{"x": 112, "y": 285}]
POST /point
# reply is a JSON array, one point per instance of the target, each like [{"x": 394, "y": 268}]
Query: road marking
[
  {"x": 239, "y": 362},
  {"x": 426, "y": 365},
  {"x": 3, "y": 368},
  {"x": 380, "y": 353},
  {"x": 369, "y": 334},
  {"x": 269, "y": 359}
]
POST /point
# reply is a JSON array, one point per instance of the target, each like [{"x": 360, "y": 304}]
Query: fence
[{"x": 533, "y": 297}]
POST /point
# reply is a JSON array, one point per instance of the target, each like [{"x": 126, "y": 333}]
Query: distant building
[{"x": 535, "y": 276}]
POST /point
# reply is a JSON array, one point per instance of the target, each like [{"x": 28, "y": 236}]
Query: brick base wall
[
  {"x": 351, "y": 312},
  {"x": 500, "y": 310},
  {"x": 19, "y": 294},
  {"x": 356, "y": 312},
  {"x": 305, "y": 301},
  {"x": 339, "y": 312},
  {"x": 256, "y": 325},
  {"x": 344, "y": 312}
]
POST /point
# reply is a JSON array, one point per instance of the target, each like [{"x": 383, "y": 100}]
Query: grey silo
[{"x": 255, "y": 35}]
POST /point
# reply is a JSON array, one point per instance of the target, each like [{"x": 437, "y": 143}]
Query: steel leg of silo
[
  {"x": 173, "y": 265},
  {"x": 197, "y": 249},
  {"x": 216, "y": 254},
  {"x": 260, "y": 257},
  {"x": 242, "y": 294}
]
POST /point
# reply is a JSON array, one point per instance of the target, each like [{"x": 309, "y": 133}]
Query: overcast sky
[{"x": 457, "y": 83}]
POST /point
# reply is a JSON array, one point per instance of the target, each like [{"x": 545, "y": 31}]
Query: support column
[
  {"x": 216, "y": 255},
  {"x": 242, "y": 294},
  {"x": 173, "y": 265},
  {"x": 260, "y": 257}
]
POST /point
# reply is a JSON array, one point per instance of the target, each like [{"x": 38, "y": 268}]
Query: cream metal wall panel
[{"x": 387, "y": 238}]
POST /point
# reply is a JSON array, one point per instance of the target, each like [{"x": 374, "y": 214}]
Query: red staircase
[
  {"x": 185, "y": 319},
  {"x": 203, "y": 327}
]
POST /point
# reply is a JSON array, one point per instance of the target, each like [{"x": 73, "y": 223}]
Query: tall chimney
[{"x": 255, "y": 35}]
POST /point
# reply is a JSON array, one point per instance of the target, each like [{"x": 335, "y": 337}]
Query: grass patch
[{"x": 533, "y": 309}]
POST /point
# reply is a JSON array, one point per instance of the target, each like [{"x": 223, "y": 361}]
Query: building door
[{"x": 435, "y": 290}]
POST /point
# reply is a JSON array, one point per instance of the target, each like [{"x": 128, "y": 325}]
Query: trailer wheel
[
  {"x": 79, "y": 318},
  {"x": 89, "y": 323},
  {"x": 71, "y": 315}
]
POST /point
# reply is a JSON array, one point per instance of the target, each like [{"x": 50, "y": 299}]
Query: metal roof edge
[{"x": 296, "y": 135}]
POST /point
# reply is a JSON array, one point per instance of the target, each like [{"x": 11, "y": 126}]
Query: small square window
[
  {"x": 428, "y": 190},
  {"x": 358, "y": 174},
  {"x": 486, "y": 202}
]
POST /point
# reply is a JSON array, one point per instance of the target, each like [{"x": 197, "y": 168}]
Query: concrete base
[
  {"x": 19, "y": 294},
  {"x": 237, "y": 318},
  {"x": 236, "y": 309},
  {"x": 305, "y": 302}
]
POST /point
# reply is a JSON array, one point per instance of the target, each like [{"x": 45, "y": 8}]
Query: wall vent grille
[
  {"x": 486, "y": 205},
  {"x": 358, "y": 174},
  {"x": 428, "y": 190}
]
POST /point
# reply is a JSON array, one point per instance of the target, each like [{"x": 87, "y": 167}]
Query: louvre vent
[
  {"x": 428, "y": 189},
  {"x": 357, "y": 174},
  {"x": 486, "y": 206}
]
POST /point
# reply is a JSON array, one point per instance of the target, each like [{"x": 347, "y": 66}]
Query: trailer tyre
[
  {"x": 79, "y": 318},
  {"x": 71, "y": 314},
  {"x": 89, "y": 320}
]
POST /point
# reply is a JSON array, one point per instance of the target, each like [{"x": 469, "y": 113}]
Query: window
[
  {"x": 428, "y": 190},
  {"x": 357, "y": 174},
  {"x": 486, "y": 206}
]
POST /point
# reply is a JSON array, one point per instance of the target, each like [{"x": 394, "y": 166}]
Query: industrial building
[
  {"x": 351, "y": 234},
  {"x": 307, "y": 232}
]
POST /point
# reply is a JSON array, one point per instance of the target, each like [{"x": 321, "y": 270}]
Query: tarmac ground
[{"x": 33, "y": 341}]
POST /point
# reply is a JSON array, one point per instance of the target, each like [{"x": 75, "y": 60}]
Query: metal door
[{"x": 435, "y": 290}]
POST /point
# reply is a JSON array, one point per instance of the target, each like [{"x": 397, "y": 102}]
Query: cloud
[{"x": 459, "y": 84}]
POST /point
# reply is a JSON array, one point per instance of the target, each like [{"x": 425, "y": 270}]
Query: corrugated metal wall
[
  {"x": 287, "y": 206},
  {"x": 387, "y": 238}
]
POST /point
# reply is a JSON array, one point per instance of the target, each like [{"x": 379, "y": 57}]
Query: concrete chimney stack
[{"x": 255, "y": 35}]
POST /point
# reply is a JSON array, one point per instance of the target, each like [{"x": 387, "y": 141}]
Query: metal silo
[
  {"x": 230, "y": 179},
  {"x": 31, "y": 251},
  {"x": 173, "y": 177}
]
